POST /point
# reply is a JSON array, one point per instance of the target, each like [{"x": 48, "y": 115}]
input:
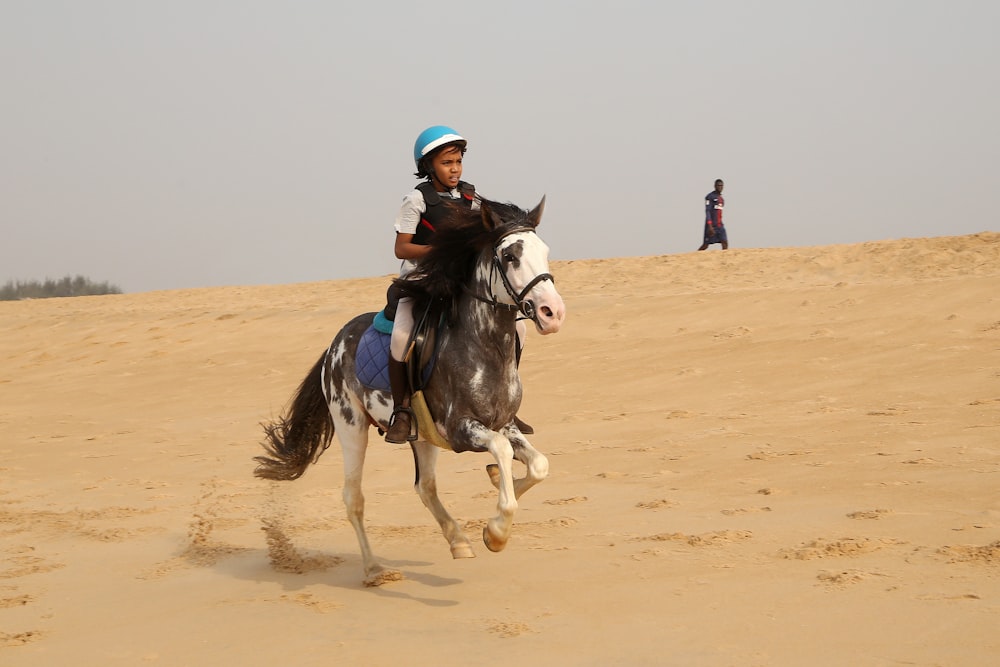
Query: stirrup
[{"x": 412, "y": 435}]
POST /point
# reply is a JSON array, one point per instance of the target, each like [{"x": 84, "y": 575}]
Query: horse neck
[{"x": 483, "y": 324}]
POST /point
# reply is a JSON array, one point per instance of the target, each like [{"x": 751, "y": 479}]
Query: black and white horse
[{"x": 491, "y": 267}]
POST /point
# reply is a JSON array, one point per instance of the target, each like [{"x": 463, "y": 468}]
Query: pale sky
[{"x": 175, "y": 144}]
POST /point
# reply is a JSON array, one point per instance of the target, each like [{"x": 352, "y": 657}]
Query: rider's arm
[
  {"x": 406, "y": 227},
  {"x": 406, "y": 249}
]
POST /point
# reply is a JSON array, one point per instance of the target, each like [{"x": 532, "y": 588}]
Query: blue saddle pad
[{"x": 371, "y": 361}]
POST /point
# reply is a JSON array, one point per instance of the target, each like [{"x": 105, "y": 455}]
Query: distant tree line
[{"x": 68, "y": 286}]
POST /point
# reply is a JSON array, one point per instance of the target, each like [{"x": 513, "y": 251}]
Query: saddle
[
  {"x": 419, "y": 359},
  {"x": 372, "y": 359}
]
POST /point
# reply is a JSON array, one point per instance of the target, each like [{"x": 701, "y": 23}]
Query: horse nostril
[{"x": 546, "y": 311}]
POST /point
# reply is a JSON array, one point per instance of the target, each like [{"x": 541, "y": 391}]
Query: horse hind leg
[
  {"x": 425, "y": 460},
  {"x": 354, "y": 444}
]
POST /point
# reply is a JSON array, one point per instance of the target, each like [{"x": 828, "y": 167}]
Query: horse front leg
[
  {"x": 471, "y": 434},
  {"x": 425, "y": 457},
  {"x": 497, "y": 530},
  {"x": 536, "y": 464}
]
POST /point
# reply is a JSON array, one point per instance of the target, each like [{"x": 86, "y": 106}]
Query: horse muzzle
[{"x": 546, "y": 310}]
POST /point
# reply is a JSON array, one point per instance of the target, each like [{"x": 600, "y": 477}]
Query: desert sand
[{"x": 783, "y": 456}]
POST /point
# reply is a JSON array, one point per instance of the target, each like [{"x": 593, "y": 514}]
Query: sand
[{"x": 758, "y": 457}]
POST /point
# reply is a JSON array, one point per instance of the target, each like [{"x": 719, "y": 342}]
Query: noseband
[{"x": 525, "y": 307}]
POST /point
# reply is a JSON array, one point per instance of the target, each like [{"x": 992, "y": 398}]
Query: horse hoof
[
  {"x": 493, "y": 470},
  {"x": 491, "y": 542},
  {"x": 383, "y": 576},
  {"x": 462, "y": 551}
]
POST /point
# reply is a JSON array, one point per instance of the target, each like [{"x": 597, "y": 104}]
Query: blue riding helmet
[{"x": 432, "y": 138}]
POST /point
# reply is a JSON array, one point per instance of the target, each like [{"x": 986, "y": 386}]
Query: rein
[{"x": 526, "y": 308}]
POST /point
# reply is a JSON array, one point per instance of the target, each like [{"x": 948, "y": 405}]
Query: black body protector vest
[{"x": 435, "y": 211}]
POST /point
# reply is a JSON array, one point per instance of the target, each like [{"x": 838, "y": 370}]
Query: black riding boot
[
  {"x": 402, "y": 426},
  {"x": 523, "y": 427}
]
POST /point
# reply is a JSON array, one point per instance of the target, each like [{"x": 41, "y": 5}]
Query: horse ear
[
  {"x": 491, "y": 219},
  {"x": 535, "y": 216}
]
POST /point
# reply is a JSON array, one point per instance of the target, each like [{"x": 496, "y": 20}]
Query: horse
[{"x": 491, "y": 269}]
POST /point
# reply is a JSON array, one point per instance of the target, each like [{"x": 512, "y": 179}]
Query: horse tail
[{"x": 301, "y": 435}]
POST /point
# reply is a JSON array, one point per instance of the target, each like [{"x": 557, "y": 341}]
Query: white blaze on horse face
[{"x": 532, "y": 259}]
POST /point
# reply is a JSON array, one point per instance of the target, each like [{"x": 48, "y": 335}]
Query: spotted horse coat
[{"x": 475, "y": 389}]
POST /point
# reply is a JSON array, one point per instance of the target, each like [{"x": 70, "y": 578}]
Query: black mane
[{"x": 455, "y": 247}]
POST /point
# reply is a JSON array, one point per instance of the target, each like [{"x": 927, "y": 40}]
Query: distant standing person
[{"x": 715, "y": 231}]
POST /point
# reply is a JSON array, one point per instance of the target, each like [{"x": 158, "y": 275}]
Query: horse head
[{"x": 520, "y": 263}]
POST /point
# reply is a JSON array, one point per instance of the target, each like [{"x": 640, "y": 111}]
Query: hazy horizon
[{"x": 165, "y": 146}]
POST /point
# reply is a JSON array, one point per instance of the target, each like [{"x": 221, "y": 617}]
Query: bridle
[{"x": 522, "y": 305}]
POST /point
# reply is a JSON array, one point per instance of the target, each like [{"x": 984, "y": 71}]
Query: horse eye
[{"x": 509, "y": 258}]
